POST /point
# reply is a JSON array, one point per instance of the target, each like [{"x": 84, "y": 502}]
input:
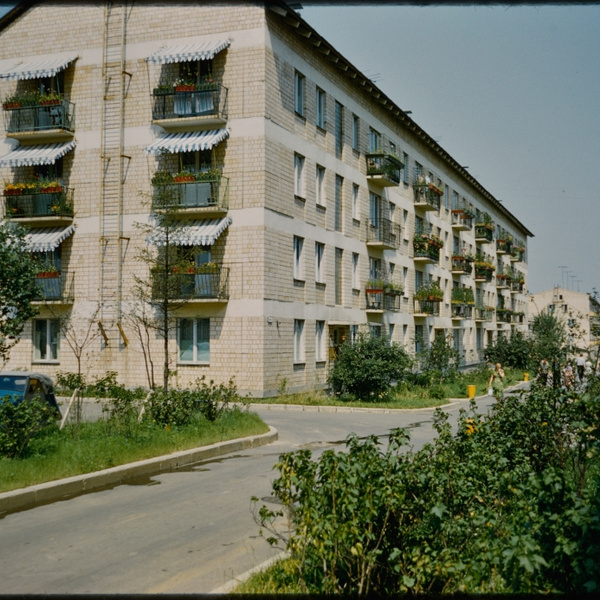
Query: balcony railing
[
  {"x": 483, "y": 233},
  {"x": 483, "y": 273},
  {"x": 57, "y": 287},
  {"x": 384, "y": 169},
  {"x": 462, "y": 311},
  {"x": 213, "y": 285},
  {"x": 209, "y": 193},
  {"x": 516, "y": 287},
  {"x": 427, "y": 308},
  {"x": 39, "y": 204},
  {"x": 503, "y": 246},
  {"x": 504, "y": 315},
  {"x": 426, "y": 250},
  {"x": 461, "y": 221},
  {"x": 427, "y": 196},
  {"x": 461, "y": 265},
  {"x": 383, "y": 295},
  {"x": 483, "y": 313},
  {"x": 24, "y": 119},
  {"x": 384, "y": 233},
  {"x": 210, "y": 101}
]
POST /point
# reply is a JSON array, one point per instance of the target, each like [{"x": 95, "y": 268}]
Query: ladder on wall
[{"x": 115, "y": 82}]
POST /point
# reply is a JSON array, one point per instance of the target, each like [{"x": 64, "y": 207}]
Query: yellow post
[
  {"x": 525, "y": 376},
  {"x": 471, "y": 390}
]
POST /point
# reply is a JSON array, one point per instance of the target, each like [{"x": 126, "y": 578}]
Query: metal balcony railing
[
  {"x": 58, "y": 287},
  {"x": 39, "y": 204},
  {"x": 383, "y": 231},
  {"x": 210, "y": 100},
  {"x": 40, "y": 118},
  {"x": 213, "y": 192},
  {"x": 384, "y": 168},
  {"x": 192, "y": 286}
]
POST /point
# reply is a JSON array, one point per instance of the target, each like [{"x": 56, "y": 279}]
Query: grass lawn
[{"x": 90, "y": 447}]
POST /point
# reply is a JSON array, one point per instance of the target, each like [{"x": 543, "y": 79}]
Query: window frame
[
  {"x": 299, "y": 188},
  {"x": 321, "y": 106},
  {"x": 299, "y": 94},
  {"x": 51, "y": 351},
  {"x": 198, "y": 324}
]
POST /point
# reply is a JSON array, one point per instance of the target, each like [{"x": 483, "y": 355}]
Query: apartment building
[
  {"x": 579, "y": 312},
  {"x": 311, "y": 206}
]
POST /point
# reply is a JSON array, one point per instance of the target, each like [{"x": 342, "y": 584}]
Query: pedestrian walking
[
  {"x": 580, "y": 362},
  {"x": 569, "y": 375},
  {"x": 544, "y": 371},
  {"x": 496, "y": 383}
]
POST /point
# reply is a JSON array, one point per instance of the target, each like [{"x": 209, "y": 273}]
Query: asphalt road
[{"x": 188, "y": 531}]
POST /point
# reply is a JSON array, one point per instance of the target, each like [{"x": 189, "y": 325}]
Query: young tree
[{"x": 18, "y": 286}]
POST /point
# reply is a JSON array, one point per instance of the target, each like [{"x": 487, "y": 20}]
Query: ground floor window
[
  {"x": 46, "y": 339},
  {"x": 194, "y": 340}
]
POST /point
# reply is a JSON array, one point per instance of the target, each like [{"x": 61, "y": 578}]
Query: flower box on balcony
[
  {"x": 13, "y": 192},
  {"x": 183, "y": 178},
  {"x": 185, "y": 88},
  {"x": 48, "y": 275},
  {"x": 50, "y": 102},
  {"x": 51, "y": 189},
  {"x": 11, "y": 105}
]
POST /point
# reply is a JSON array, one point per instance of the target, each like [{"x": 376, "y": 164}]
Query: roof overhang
[
  {"x": 44, "y": 66},
  {"x": 44, "y": 154},
  {"x": 188, "y": 52},
  {"x": 47, "y": 239},
  {"x": 188, "y": 141}
]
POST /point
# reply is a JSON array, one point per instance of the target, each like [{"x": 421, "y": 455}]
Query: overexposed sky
[{"x": 511, "y": 91}]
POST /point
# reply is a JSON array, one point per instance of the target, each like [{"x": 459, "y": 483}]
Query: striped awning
[
  {"x": 47, "y": 239},
  {"x": 188, "y": 52},
  {"x": 187, "y": 142},
  {"x": 44, "y": 66},
  {"x": 195, "y": 233},
  {"x": 28, "y": 156}
]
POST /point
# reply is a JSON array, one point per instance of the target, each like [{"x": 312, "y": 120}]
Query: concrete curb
[{"x": 61, "y": 489}]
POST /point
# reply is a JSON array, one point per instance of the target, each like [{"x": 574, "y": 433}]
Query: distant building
[
  {"x": 579, "y": 311},
  {"x": 314, "y": 206}
]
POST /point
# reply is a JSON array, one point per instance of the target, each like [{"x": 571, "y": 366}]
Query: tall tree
[{"x": 18, "y": 286}]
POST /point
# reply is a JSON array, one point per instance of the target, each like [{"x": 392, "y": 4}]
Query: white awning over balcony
[
  {"x": 189, "y": 141},
  {"x": 28, "y": 156},
  {"x": 44, "y": 66},
  {"x": 47, "y": 239},
  {"x": 188, "y": 52},
  {"x": 195, "y": 233}
]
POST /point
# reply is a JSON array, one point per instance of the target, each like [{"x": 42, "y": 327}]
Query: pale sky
[{"x": 513, "y": 92}]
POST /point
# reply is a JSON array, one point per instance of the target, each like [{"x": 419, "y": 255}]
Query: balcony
[
  {"x": 461, "y": 311},
  {"x": 383, "y": 234},
  {"x": 484, "y": 272},
  {"x": 518, "y": 318},
  {"x": 502, "y": 281},
  {"x": 517, "y": 253},
  {"x": 427, "y": 248},
  {"x": 47, "y": 207},
  {"x": 461, "y": 264},
  {"x": 483, "y": 313},
  {"x": 384, "y": 169},
  {"x": 504, "y": 315},
  {"x": 58, "y": 288},
  {"x": 517, "y": 286},
  {"x": 383, "y": 295},
  {"x": 206, "y": 284},
  {"x": 426, "y": 308},
  {"x": 461, "y": 220},
  {"x": 204, "y": 193},
  {"x": 427, "y": 196},
  {"x": 178, "y": 108},
  {"x": 46, "y": 120},
  {"x": 484, "y": 233},
  {"x": 503, "y": 246}
]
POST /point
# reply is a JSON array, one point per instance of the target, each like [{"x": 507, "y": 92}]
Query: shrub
[
  {"x": 20, "y": 423},
  {"x": 366, "y": 369},
  {"x": 69, "y": 382}
]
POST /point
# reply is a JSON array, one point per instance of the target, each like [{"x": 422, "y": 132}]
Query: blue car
[{"x": 20, "y": 386}]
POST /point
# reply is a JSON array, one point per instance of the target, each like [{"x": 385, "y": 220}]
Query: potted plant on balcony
[
  {"x": 184, "y": 177},
  {"x": 11, "y": 102},
  {"x": 163, "y": 89},
  {"x": 208, "y": 267},
  {"x": 50, "y": 186},
  {"x": 431, "y": 292},
  {"x": 13, "y": 188},
  {"x": 50, "y": 99},
  {"x": 183, "y": 84},
  {"x": 162, "y": 178},
  {"x": 393, "y": 289},
  {"x": 374, "y": 286},
  {"x": 48, "y": 271}
]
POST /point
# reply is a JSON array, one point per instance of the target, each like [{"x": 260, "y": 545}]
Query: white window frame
[
  {"x": 374, "y": 140},
  {"x": 50, "y": 353},
  {"x": 298, "y": 262},
  {"x": 299, "y": 175},
  {"x": 320, "y": 341},
  {"x": 355, "y": 282},
  {"x": 299, "y": 341},
  {"x": 319, "y": 262},
  {"x": 320, "y": 185},
  {"x": 299, "y": 93},
  {"x": 355, "y": 202},
  {"x": 320, "y": 108},
  {"x": 199, "y": 326}
]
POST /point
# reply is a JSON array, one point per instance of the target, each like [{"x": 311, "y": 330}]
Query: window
[
  {"x": 319, "y": 341},
  {"x": 391, "y": 332},
  {"x": 198, "y": 161},
  {"x": 299, "y": 86},
  {"x": 375, "y": 268},
  {"x": 405, "y": 170},
  {"x": 447, "y": 197},
  {"x": 299, "y": 175},
  {"x": 320, "y": 185},
  {"x": 46, "y": 339},
  {"x": 298, "y": 270},
  {"x": 339, "y": 253},
  {"x": 454, "y": 200},
  {"x": 419, "y": 338},
  {"x": 339, "y": 182},
  {"x": 355, "y": 211},
  {"x": 374, "y": 210},
  {"x": 355, "y": 284},
  {"x": 194, "y": 340},
  {"x": 319, "y": 266},
  {"x": 374, "y": 140},
  {"x": 355, "y": 132},
  {"x": 339, "y": 129},
  {"x": 298, "y": 340},
  {"x": 320, "y": 108}
]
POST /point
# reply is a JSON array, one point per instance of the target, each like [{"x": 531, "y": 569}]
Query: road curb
[{"x": 62, "y": 489}]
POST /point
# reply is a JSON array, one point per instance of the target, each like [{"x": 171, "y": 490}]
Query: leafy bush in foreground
[{"x": 509, "y": 503}]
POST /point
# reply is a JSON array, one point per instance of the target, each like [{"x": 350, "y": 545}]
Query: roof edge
[{"x": 13, "y": 14}]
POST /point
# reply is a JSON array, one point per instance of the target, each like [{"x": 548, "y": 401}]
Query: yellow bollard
[
  {"x": 525, "y": 376},
  {"x": 471, "y": 390}
]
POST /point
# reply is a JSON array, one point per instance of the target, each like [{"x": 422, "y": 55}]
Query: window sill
[
  {"x": 321, "y": 129},
  {"x": 320, "y": 285},
  {"x": 321, "y": 207},
  {"x": 299, "y": 198},
  {"x": 45, "y": 362},
  {"x": 192, "y": 364},
  {"x": 300, "y": 115}
]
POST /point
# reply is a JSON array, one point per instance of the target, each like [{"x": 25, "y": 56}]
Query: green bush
[
  {"x": 367, "y": 368},
  {"x": 20, "y": 423},
  {"x": 507, "y": 504}
]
